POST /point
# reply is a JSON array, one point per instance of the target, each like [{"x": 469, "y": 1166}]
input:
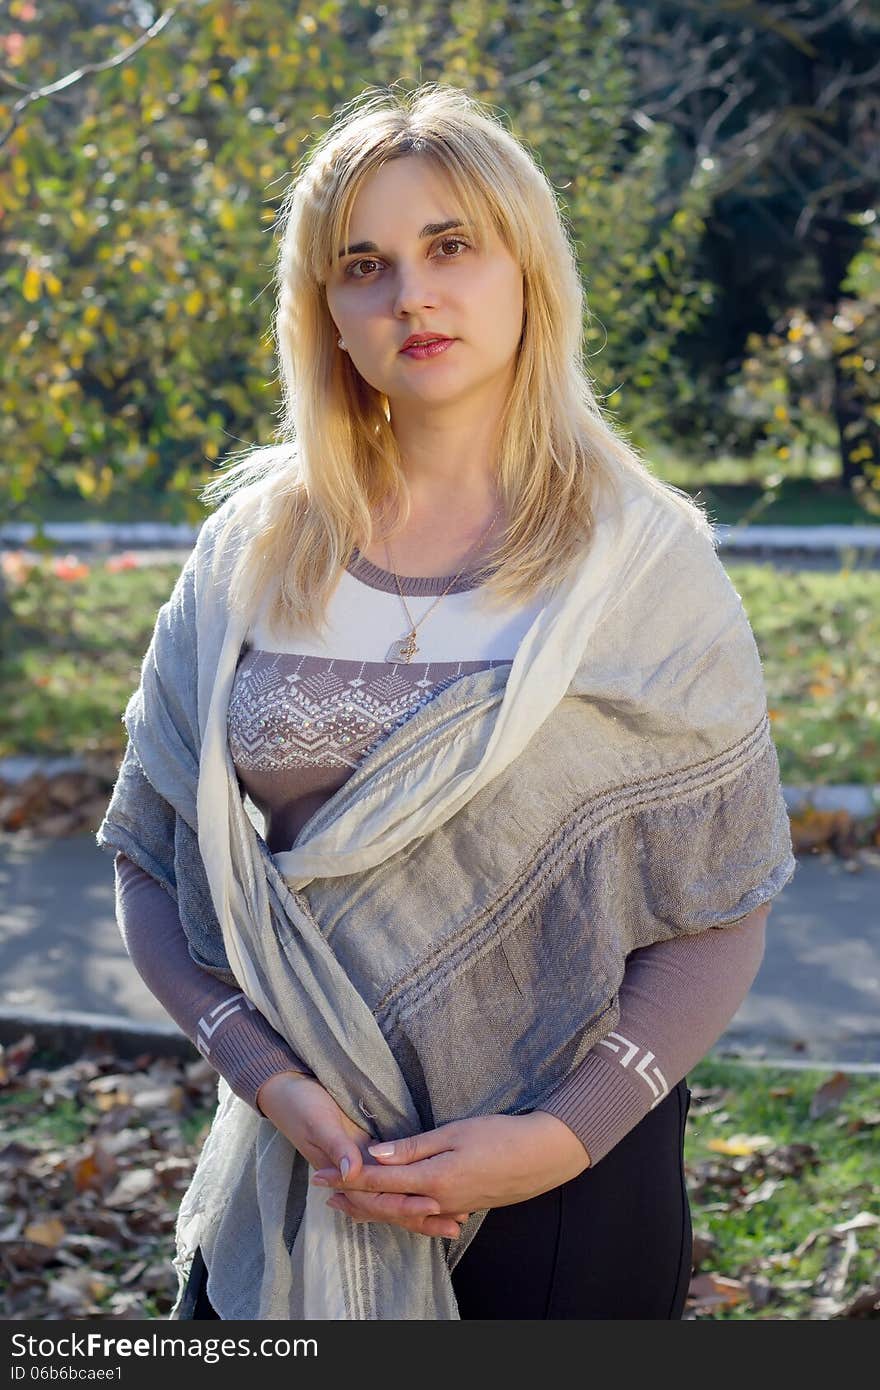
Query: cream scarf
[{"x": 648, "y": 634}]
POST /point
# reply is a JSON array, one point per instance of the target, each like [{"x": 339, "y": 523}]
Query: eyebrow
[{"x": 429, "y": 229}]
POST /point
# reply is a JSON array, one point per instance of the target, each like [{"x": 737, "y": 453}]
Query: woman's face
[{"x": 410, "y": 279}]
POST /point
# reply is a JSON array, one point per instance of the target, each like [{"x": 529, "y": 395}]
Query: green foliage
[
  {"x": 139, "y": 208},
  {"x": 810, "y": 368}
]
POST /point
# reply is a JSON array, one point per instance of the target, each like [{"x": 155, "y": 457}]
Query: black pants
[{"x": 614, "y": 1242}]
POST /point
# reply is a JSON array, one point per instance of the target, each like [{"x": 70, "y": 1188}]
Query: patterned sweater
[{"x": 303, "y": 712}]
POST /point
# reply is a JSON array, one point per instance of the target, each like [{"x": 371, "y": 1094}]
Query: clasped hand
[
  {"x": 430, "y": 1182},
  {"x": 461, "y": 1167}
]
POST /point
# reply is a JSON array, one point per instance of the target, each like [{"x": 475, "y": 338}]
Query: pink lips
[{"x": 427, "y": 349}]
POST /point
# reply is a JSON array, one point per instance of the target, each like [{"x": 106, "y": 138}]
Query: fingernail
[
  {"x": 344, "y": 1168},
  {"x": 380, "y": 1150},
  {"x": 321, "y": 1182}
]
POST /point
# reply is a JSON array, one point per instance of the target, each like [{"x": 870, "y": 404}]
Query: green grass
[
  {"x": 74, "y": 655},
  {"x": 835, "y": 1178},
  {"x": 65, "y": 1122},
  {"x": 818, "y": 634},
  {"x": 797, "y": 502},
  {"x": 808, "y": 492},
  {"x": 73, "y": 658}
]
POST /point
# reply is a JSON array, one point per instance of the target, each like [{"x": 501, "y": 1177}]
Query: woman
[{"x": 523, "y": 768}]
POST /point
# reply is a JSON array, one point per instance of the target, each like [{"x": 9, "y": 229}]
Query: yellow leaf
[
  {"x": 48, "y": 1232},
  {"x": 84, "y": 481},
  {"x": 31, "y": 287},
  {"x": 91, "y": 314},
  {"x": 740, "y": 1144},
  {"x": 226, "y": 217},
  {"x": 193, "y": 303},
  {"x": 108, "y": 1100}
]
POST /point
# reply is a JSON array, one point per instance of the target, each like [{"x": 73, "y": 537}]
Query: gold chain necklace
[{"x": 405, "y": 648}]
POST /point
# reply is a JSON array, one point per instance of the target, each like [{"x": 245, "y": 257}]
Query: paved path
[{"x": 817, "y": 995}]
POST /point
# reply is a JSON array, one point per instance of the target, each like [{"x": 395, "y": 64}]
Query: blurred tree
[
  {"x": 781, "y": 100},
  {"x": 135, "y": 202},
  {"x": 136, "y": 206}
]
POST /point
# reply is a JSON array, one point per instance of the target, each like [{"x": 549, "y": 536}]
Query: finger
[
  {"x": 338, "y": 1149},
  {"x": 424, "y": 1225},
  {"x": 373, "y": 1177},
  {"x": 382, "y": 1206},
  {"x": 413, "y": 1146}
]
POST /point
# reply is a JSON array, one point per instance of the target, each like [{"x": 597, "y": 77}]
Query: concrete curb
[
  {"x": 68, "y": 1035},
  {"x": 856, "y": 798},
  {"x": 146, "y": 534}
]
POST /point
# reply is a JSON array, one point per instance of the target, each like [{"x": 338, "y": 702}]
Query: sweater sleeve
[
  {"x": 220, "y": 1020},
  {"x": 676, "y": 999}
]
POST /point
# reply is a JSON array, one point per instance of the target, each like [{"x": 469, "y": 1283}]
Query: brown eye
[
  {"x": 350, "y": 269},
  {"x": 452, "y": 241}
]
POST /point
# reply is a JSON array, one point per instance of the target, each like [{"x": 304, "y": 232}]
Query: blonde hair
[{"x": 306, "y": 501}]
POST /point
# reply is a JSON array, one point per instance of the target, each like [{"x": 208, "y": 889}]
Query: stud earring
[{"x": 340, "y": 342}]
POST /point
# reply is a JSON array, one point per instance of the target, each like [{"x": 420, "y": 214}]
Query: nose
[{"x": 413, "y": 290}]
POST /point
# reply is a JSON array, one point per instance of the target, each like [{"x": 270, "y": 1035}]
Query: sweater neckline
[{"x": 413, "y": 585}]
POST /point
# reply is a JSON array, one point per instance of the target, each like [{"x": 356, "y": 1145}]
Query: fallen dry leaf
[
  {"x": 711, "y": 1290},
  {"x": 829, "y": 1095},
  {"x": 860, "y": 1222},
  {"x": 49, "y": 1232},
  {"x": 159, "y": 1098},
  {"x": 740, "y": 1144},
  {"x": 865, "y": 1303},
  {"x": 704, "y": 1246},
  {"x": 869, "y": 1120},
  {"x": 763, "y": 1193},
  {"x": 134, "y": 1185},
  {"x": 14, "y": 1059},
  {"x": 13, "y": 1156},
  {"x": 94, "y": 1167}
]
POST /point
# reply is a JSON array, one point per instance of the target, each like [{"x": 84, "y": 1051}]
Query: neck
[{"x": 448, "y": 452}]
